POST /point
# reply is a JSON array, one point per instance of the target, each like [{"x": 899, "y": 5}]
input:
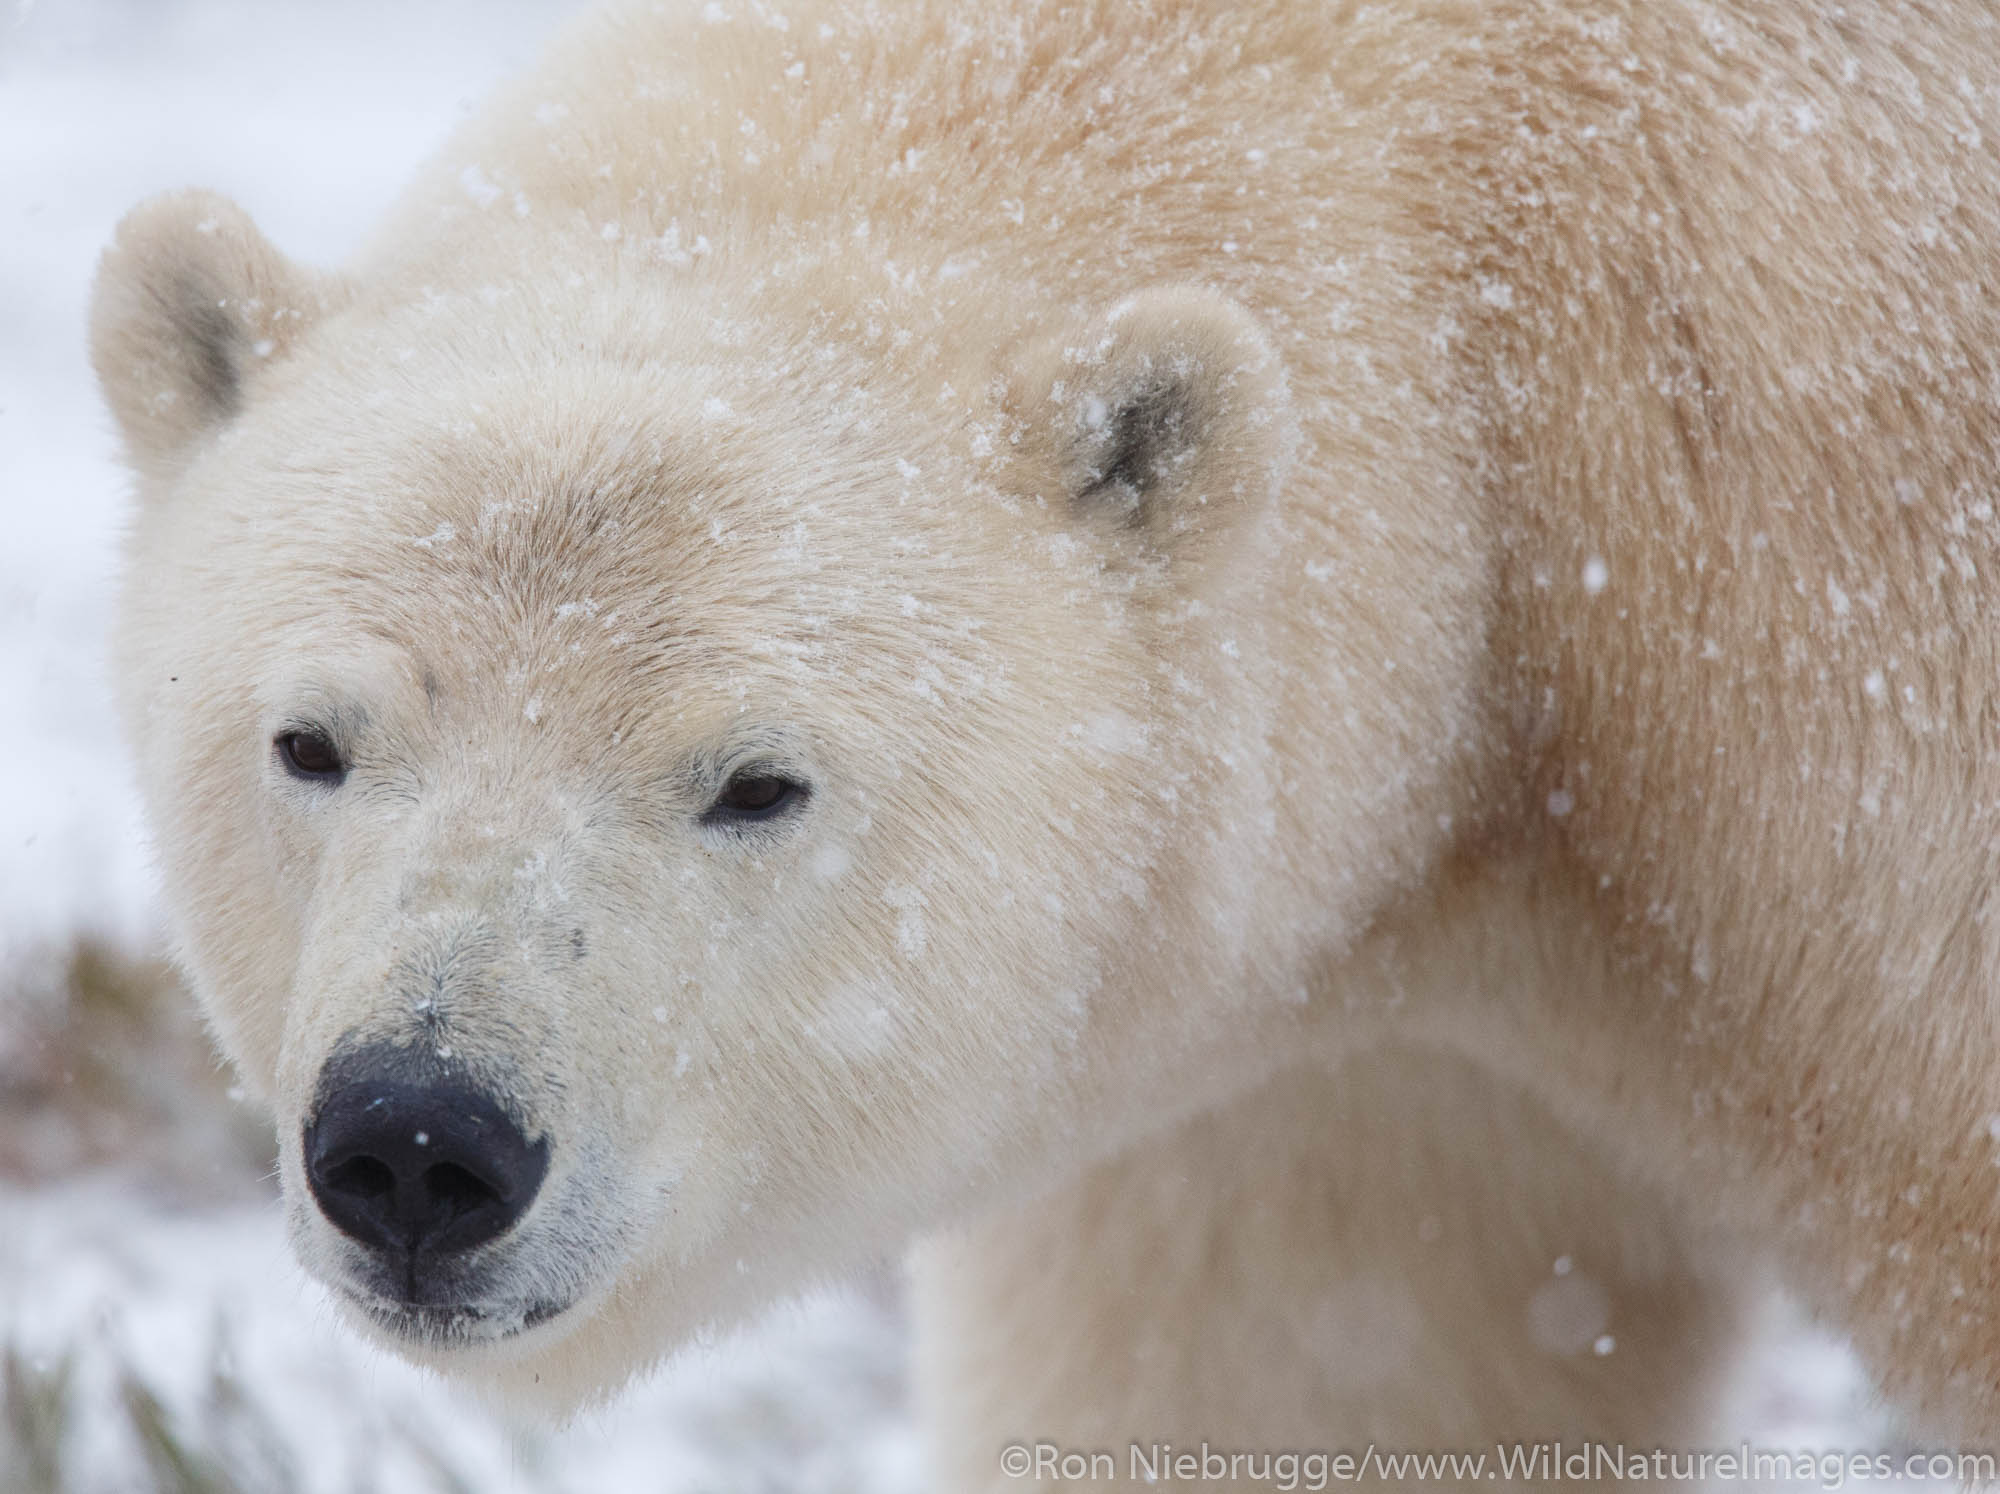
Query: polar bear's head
[{"x": 656, "y": 794}]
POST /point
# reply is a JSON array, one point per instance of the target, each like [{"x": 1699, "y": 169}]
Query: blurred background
[{"x": 154, "y": 1335}]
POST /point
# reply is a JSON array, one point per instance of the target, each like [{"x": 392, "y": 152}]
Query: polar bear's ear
[
  {"x": 190, "y": 301},
  {"x": 1163, "y": 416}
]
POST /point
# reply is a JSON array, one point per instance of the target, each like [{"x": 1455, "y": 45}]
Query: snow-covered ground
[
  {"x": 310, "y": 115},
  {"x": 205, "y": 1311}
]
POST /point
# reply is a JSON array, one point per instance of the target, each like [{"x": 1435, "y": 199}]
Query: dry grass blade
[
  {"x": 34, "y": 1420},
  {"x": 176, "y": 1467}
]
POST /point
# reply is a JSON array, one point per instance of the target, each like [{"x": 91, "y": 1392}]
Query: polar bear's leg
[{"x": 1406, "y": 1253}]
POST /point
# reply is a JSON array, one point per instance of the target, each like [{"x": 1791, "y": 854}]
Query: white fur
[{"x": 1517, "y": 751}]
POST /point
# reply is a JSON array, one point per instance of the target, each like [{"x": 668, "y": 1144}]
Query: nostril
[
  {"x": 455, "y": 1189},
  {"x": 360, "y": 1177}
]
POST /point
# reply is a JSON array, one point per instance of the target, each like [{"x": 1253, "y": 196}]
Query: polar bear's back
[{"x": 1690, "y": 304}]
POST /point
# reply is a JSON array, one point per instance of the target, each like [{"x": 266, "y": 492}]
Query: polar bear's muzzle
[{"x": 412, "y": 1158}]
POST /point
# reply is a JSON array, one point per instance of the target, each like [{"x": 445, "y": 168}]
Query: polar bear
[{"x": 1315, "y": 686}]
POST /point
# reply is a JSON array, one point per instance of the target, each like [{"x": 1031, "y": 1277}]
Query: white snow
[{"x": 807, "y": 1401}]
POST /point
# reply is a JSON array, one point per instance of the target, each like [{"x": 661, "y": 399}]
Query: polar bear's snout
[{"x": 417, "y": 1161}]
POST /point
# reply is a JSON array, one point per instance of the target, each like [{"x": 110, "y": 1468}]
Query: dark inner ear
[
  {"x": 1153, "y": 428},
  {"x": 1140, "y": 446},
  {"x": 215, "y": 340}
]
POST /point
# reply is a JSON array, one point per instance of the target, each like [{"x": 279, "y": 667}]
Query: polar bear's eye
[
  {"x": 308, "y": 755},
  {"x": 755, "y": 794}
]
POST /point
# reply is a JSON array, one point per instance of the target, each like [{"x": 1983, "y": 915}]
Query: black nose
[{"x": 407, "y": 1156}]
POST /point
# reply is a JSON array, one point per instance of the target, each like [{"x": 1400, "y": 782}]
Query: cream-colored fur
[
  {"x": 1363, "y": 592},
  {"x": 1407, "y": 1254}
]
